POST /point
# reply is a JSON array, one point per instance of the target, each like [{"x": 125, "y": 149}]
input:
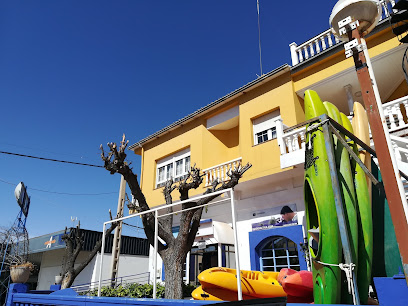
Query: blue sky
[{"x": 75, "y": 74}]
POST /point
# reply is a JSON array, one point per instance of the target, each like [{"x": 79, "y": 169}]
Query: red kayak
[{"x": 298, "y": 285}]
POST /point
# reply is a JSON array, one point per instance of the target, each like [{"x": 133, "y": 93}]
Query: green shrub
[
  {"x": 136, "y": 290},
  {"x": 129, "y": 290}
]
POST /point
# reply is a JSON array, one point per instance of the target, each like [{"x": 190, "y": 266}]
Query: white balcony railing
[
  {"x": 292, "y": 141},
  {"x": 396, "y": 114},
  {"x": 400, "y": 146},
  {"x": 220, "y": 171},
  {"x": 325, "y": 40}
]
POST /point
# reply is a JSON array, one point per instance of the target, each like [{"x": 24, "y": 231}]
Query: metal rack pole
[{"x": 341, "y": 218}]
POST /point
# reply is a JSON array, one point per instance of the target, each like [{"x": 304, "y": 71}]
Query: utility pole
[{"x": 118, "y": 232}]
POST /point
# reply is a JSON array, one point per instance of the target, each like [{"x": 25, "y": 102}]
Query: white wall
[
  {"x": 128, "y": 265},
  {"x": 51, "y": 266}
]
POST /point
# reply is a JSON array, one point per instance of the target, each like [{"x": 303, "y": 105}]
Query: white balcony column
[
  {"x": 279, "y": 135},
  {"x": 288, "y": 144},
  {"x": 312, "y": 52},
  {"x": 302, "y": 139},
  {"x": 399, "y": 115},
  {"x": 404, "y": 104},
  {"x": 329, "y": 39},
  {"x": 396, "y": 150},
  {"x": 306, "y": 53},
  {"x": 295, "y": 142},
  {"x": 293, "y": 53},
  {"x": 317, "y": 46},
  {"x": 300, "y": 55},
  {"x": 392, "y": 2},
  {"x": 336, "y": 39},
  {"x": 323, "y": 42},
  {"x": 392, "y": 111}
]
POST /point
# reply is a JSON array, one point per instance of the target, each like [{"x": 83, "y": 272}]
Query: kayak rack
[{"x": 329, "y": 128}]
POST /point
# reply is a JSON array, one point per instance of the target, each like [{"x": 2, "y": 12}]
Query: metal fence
[{"x": 140, "y": 278}]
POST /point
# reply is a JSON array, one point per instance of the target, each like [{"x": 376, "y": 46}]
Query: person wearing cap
[{"x": 287, "y": 216}]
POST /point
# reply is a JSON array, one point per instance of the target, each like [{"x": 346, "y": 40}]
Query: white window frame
[
  {"x": 170, "y": 163},
  {"x": 265, "y": 124}
]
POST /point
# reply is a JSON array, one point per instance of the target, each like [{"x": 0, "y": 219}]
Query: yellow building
[{"x": 260, "y": 123}]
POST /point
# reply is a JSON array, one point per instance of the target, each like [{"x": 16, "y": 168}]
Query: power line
[
  {"x": 131, "y": 225},
  {"x": 64, "y": 193},
  {"x": 50, "y": 159}
]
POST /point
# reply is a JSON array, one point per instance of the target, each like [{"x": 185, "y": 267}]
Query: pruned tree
[
  {"x": 74, "y": 241},
  {"x": 174, "y": 249}
]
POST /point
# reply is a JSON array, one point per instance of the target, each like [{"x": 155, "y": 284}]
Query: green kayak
[
  {"x": 321, "y": 213},
  {"x": 364, "y": 222}
]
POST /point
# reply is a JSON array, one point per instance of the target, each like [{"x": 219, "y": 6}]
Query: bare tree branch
[{"x": 174, "y": 251}]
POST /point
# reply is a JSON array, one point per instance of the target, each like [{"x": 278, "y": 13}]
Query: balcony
[
  {"x": 326, "y": 40},
  {"x": 220, "y": 172},
  {"x": 292, "y": 140}
]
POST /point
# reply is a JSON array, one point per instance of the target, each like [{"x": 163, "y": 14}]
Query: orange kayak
[{"x": 297, "y": 283}]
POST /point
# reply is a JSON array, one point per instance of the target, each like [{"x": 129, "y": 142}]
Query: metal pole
[
  {"x": 156, "y": 229},
  {"x": 188, "y": 268},
  {"x": 101, "y": 263},
  {"x": 341, "y": 217},
  {"x": 386, "y": 159},
  {"x": 219, "y": 254},
  {"x": 234, "y": 226},
  {"x": 118, "y": 232}
]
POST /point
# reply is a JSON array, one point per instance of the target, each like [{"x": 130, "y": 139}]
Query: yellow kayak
[
  {"x": 217, "y": 294},
  {"x": 253, "y": 283}
]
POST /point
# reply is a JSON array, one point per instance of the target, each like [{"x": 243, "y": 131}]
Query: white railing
[
  {"x": 325, "y": 40},
  {"x": 312, "y": 47},
  {"x": 400, "y": 146},
  {"x": 220, "y": 172},
  {"x": 396, "y": 114},
  {"x": 293, "y": 141},
  {"x": 291, "y": 144}
]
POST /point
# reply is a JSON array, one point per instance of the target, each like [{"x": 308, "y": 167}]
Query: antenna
[
  {"x": 259, "y": 38},
  {"x": 73, "y": 219}
]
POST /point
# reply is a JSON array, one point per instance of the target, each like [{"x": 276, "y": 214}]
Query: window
[
  {"x": 277, "y": 253},
  {"x": 266, "y": 135},
  {"x": 265, "y": 127},
  {"x": 175, "y": 166}
]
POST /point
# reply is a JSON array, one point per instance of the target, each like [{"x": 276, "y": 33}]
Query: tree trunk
[
  {"x": 68, "y": 279},
  {"x": 173, "y": 271}
]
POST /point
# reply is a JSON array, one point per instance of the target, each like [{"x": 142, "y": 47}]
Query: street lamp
[
  {"x": 351, "y": 20},
  {"x": 367, "y": 12}
]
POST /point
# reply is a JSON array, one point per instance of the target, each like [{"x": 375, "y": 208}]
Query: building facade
[
  {"x": 47, "y": 253},
  {"x": 262, "y": 123}
]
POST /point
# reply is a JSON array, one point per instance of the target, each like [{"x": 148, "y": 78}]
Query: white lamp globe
[{"x": 367, "y": 12}]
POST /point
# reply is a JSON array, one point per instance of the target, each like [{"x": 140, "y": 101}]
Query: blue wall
[{"x": 257, "y": 238}]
